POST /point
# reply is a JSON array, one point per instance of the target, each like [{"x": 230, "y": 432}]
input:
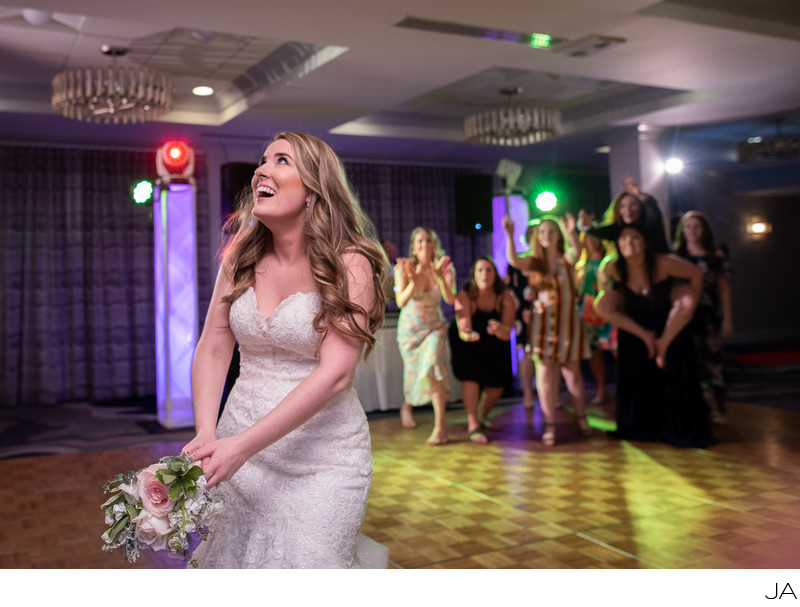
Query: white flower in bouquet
[
  {"x": 131, "y": 492},
  {"x": 152, "y": 531},
  {"x": 119, "y": 511}
]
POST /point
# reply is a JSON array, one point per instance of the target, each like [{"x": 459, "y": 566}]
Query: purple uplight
[{"x": 175, "y": 271}]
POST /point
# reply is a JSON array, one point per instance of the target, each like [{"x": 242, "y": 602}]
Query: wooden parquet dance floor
[{"x": 585, "y": 503}]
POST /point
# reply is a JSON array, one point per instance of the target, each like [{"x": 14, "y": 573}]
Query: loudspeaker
[
  {"x": 474, "y": 194},
  {"x": 234, "y": 177}
]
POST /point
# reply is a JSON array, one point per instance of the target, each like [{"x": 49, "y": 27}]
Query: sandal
[
  {"x": 583, "y": 426},
  {"x": 487, "y": 424},
  {"x": 549, "y": 435},
  {"x": 477, "y": 436}
]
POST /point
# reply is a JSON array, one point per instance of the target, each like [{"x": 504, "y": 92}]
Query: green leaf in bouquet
[
  {"x": 193, "y": 474},
  {"x": 118, "y": 527},
  {"x": 177, "y": 466},
  {"x": 132, "y": 511},
  {"x": 165, "y": 476},
  {"x": 114, "y": 499},
  {"x": 175, "y": 491}
]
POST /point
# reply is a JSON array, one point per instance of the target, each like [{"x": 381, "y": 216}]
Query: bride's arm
[
  {"x": 212, "y": 358},
  {"x": 339, "y": 356}
]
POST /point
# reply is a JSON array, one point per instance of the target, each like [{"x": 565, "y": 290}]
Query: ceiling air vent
[{"x": 534, "y": 40}]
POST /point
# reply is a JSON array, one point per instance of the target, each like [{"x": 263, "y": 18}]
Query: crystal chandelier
[
  {"x": 112, "y": 93},
  {"x": 513, "y": 126}
]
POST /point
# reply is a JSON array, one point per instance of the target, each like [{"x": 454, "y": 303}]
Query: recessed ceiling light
[
  {"x": 603, "y": 149},
  {"x": 203, "y": 91}
]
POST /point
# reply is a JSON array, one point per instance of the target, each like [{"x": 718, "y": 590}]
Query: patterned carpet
[{"x": 78, "y": 427}]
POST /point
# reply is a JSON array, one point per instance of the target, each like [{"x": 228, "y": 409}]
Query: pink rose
[
  {"x": 154, "y": 493},
  {"x": 151, "y": 530}
]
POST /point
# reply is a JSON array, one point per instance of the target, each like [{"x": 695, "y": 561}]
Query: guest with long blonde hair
[
  {"x": 422, "y": 281},
  {"x": 556, "y": 336}
]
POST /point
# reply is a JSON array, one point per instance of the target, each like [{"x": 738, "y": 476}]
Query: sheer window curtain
[{"x": 76, "y": 275}]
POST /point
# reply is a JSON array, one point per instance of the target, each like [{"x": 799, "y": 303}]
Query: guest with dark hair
[
  {"x": 421, "y": 282},
  {"x": 631, "y": 205},
  {"x": 713, "y": 317},
  {"x": 655, "y": 401},
  {"x": 634, "y": 206},
  {"x": 479, "y": 336}
]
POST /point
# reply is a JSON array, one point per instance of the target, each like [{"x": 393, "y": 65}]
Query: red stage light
[
  {"x": 176, "y": 154},
  {"x": 175, "y": 159}
]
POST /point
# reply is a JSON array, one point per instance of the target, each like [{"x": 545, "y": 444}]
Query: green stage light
[
  {"x": 546, "y": 201},
  {"x": 142, "y": 192},
  {"x": 541, "y": 40}
]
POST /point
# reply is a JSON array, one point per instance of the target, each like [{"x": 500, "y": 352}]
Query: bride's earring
[{"x": 308, "y": 204}]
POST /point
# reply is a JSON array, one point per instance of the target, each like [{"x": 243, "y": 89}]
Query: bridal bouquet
[{"x": 158, "y": 507}]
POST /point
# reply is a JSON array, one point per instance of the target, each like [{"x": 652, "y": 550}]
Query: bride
[{"x": 299, "y": 289}]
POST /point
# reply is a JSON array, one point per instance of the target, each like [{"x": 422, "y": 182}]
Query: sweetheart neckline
[{"x": 280, "y": 303}]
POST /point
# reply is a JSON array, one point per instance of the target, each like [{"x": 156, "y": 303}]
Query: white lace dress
[{"x": 300, "y": 502}]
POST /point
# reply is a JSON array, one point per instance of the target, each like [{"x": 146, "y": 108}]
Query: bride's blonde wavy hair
[{"x": 334, "y": 224}]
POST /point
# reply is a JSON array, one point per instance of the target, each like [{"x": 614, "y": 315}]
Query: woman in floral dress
[
  {"x": 421, "y": 281},
  {"x": 713, "y": 318}
]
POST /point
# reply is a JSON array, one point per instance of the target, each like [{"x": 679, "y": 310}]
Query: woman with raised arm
[
  {"x": 631, "y": 205},
  {"x": 422, "y": 281},
  {"x": 299, "y": 289},
  {"x": 556, "y": 336},
  {"x": 713, "y": 317},
  {"x": 479, "y": 341},
  {"x": 658, "y": 390}
]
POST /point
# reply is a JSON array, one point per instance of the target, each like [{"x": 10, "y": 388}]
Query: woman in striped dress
[{"x": 556, "y": 330}]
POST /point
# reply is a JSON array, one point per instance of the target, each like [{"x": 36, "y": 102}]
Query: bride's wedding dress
[{"x": 300, "y": 502}]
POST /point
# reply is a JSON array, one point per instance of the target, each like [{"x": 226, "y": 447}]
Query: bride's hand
[
  {"x": 200, "y": 440},
  {"x": 220, "y": 459}
]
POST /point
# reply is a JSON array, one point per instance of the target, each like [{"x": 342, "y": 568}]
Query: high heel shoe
[
  {"x": 584, "y": 428},
  {"x": 549, "y": 435}
]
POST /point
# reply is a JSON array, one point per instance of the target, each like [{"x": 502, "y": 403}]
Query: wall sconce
[{"x": 757, "y": 228}]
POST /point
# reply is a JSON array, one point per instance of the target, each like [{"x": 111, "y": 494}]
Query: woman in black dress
[
  {"x": 479, "y": 341},
  {"x": 658, "y": 390}
]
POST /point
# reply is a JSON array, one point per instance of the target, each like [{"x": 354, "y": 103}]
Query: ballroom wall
[
  {"x": 730, "y": 193},
  {"x": 764, "y": 284}
]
